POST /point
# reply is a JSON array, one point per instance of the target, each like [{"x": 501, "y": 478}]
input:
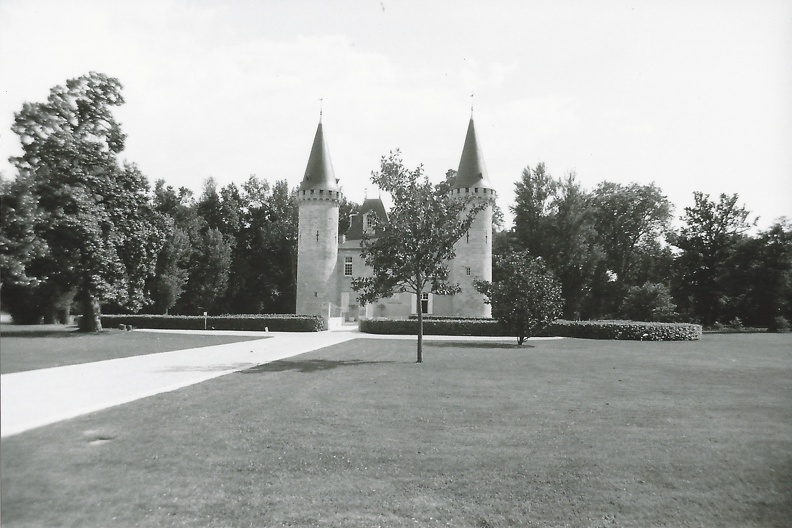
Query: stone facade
[{"x": 327, "y": 262}]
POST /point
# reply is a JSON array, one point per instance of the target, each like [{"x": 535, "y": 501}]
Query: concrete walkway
[{"x": 41, "y": 397}]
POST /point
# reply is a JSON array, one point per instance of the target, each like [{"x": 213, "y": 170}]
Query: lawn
[
  {"x": 42, "y": 346},
  {"x": 562, "y": 433}
]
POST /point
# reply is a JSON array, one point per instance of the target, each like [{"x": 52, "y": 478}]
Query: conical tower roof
[
  {"x": 319, "y": 173},
  {"x": 472, "y": 171}
]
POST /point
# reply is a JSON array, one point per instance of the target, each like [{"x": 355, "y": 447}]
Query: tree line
[
  {"x": 83, "y": 232},
  {"x": 616, "y": 253}
]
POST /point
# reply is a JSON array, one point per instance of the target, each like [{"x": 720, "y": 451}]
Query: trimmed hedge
[
  {"x": 250, "y": 322},
  {"x": 433, "y": 326},
  {"x": 448, "y": 317},
  {"x": 624, "y": 330}
]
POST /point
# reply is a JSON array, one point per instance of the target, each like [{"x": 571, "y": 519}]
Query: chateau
[{"x": 327, "y": 262}]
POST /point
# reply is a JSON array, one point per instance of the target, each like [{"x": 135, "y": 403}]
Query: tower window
[
  {"x": 348, "y": 266},
  {"x": 467, "y": 271},
  {"x": 424, "y": 303}
]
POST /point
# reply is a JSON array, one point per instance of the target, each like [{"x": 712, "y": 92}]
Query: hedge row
[
  {"x": 254, "y": 322},
  {"x": 447, "y": 317},
  {"x": 433, "y": 326},
  {"x": 624, "y": 330}
]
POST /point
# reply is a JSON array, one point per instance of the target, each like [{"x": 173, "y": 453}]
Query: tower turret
[
  {"x": 474, "y": 250},
  {"x": 318, "y": 200}
]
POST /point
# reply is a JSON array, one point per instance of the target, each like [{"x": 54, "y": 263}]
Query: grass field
[
  {"x": 42, "y": 346},
  {"x": 562, "y": 433}
]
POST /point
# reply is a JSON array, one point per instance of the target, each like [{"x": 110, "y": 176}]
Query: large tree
[
  {"x": 759, "y": 276},
  {"x": 410, "y": 252},
  {"x": 94, "y": 215},
  {"x": 706, "y": 242},
  {"x": 630, "y": 220},
  {"x": 533, "y": 209},
  {"x": 524, "y": 294},
  {"x": 553, "y": 219}
]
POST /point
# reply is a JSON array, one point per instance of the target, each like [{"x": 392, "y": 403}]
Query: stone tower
[
  {"x": 318, "y": 201},
  {"x": 474, "y": 250}
]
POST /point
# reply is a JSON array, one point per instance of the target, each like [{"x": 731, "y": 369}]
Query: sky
[{"x": 691, "y": 95}]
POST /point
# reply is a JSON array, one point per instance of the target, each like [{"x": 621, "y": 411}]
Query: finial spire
[
  {"x": 471, "y": 105},
  {"x": 321, "y": 99}
]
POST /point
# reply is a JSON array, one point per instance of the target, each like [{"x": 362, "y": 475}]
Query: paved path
[{"x": 41, "y": 397}]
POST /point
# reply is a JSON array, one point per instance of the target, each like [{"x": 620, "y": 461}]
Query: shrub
[
  {"x": 779, "y": 324},
  {"x": 251, "y": 322},
  {"x": 649, "y": 302},
  {"x": 433, "y": 326},
  {"x": 736, "y": 324},
  {"x": 525, "y": 296},
  {"x": 624, "y": 330}
]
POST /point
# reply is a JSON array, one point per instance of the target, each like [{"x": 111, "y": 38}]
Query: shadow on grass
[
  {"x": 309, "y": 365},
  {"x": 474, "y": 344},
  {"x": 39, "y": 331}
]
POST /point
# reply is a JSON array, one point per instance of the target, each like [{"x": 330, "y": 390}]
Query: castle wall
[
  {"x": 317, "y": 256},
  {"x": 473, "y": 261}
]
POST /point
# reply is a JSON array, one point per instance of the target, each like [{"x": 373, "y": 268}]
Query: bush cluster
[
  {"x": 254, "y": 322},
  {"x": 624, "y": 330},
  {"x": 433, "y": 326}
]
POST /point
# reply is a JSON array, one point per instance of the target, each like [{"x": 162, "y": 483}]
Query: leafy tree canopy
[
  {"x": 93, "y": 215},
  {"x": 524, "y": 294},
  {"x": 410, "y": 253}
]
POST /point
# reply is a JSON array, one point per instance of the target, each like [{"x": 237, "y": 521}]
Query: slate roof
[
  {"x": 472, "y": 171},
  {"x": 319, "y": 172},
  {"x": 355, "y": 231}
]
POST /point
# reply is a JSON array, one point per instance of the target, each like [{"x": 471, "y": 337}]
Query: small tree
[
  {"x": 410, "y": 252},
  {"x": 525, "y": 295},
  {"x": 649, "y": 302}
]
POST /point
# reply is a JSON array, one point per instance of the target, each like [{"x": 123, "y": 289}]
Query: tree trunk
[
  {"x": 91, "y": 315},
  {"x": 520, "y": 340},
  {"x": 420, "y": 327}
]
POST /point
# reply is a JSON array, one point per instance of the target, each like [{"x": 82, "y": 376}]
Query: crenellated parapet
[
  {"x": 328, "y": 195},
  {"x": 484, "y": 193}
]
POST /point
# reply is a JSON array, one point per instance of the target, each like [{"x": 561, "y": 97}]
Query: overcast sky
[{"x": 689, "y": 94}]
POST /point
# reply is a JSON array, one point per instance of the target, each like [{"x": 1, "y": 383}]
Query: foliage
[
  {"x": 171, "y": 273},
  {"x": 708, "y": 239},
  {"x": 410, "y": 252},
  {"x": 19, "y": 244},
  {"x": 627, "y": 219},
  {"x": 625, "y": 330},
  {"x": 649, "y": 302},
  {"x": 525, "y": 296},
  {"x": 248, "y": 322},
  {"x": 553, "y": 219},
  {"x": 779, "y": 324},
  {"x": 758, "y": 276},
  {"x": 209, "y": 266},
  {"x": 433, "y": 326},
  {"x": 93, "y": 215}
]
